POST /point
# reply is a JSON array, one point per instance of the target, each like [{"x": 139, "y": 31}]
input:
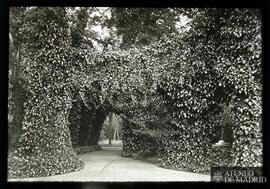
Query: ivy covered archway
[{"x": 168, "y": 93}]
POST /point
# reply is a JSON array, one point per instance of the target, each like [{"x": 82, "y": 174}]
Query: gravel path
[{"x": 109, "y": 165}]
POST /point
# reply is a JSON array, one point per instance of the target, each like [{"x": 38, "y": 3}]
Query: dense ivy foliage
[
  {"x": 135, "y": 143},
  {"x": 216, "y": 62},
  {"x": 171, "y": 94},
  {"x": 45, "y": 145},
  {"x": 241, "y": 59}
]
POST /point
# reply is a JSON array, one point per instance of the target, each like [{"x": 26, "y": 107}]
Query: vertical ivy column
[
  {"x": 45, "y": 145},
  {"x": 239, "y": 68}
]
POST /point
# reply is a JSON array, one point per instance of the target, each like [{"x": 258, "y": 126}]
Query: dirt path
[{"x": 109, "y": 165}]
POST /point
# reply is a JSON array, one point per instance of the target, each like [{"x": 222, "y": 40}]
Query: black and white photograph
[{"x": 135, "y": 94}]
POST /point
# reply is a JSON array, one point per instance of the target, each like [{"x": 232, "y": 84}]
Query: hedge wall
[{"x": 137, "y": 143}]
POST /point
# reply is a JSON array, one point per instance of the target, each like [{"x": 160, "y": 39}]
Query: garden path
[{"x": 109, "y": 165}]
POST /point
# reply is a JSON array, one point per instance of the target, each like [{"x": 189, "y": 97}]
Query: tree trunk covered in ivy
[{"x": 45, "y": 146}]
